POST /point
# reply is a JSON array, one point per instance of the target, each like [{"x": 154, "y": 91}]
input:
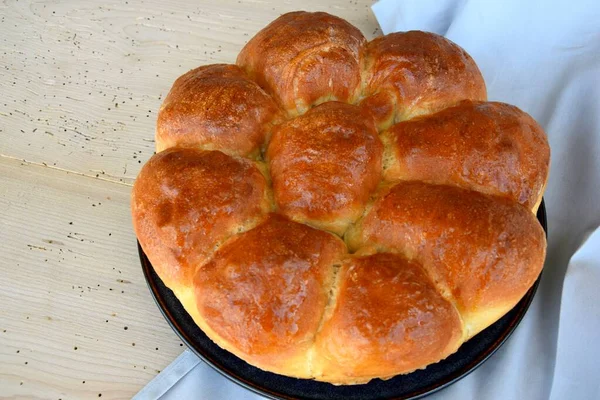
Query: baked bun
[
  {"x": 408, "y": 74},
  {"x": 286, "y": 269},
  {"x": 325, "y": 164},
  {"x": 186, "y": 202},
  {"x": 216, "y": 107},
  {"x": 388, "y": 319},
  {"x": 305, "y": 59},
  {"x": 342, "y": 210},
  {"x": 493, "y": 148}
]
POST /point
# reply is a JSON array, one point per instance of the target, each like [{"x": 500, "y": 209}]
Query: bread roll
[
  {"x": 413, "y": 73},
  {"x": 264, "y": 293},
  {"x": 186, "y": 202},
  {"x": 305, "y": 58},
  {"x": 325, "y": 164},
  {"x": 216, "y": 107},
  {"x": 388, "y": 319},
  {"x": 493, "y": 148}
]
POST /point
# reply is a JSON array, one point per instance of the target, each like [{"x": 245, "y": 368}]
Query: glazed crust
[
  {"x": 186, "y": 202},
  {"x": 493, "y": 148},
  {"x": 305, "y": 58},
  {"x": 216, "y": 107},
  {"x": 388, "y": 319},
  {"x": 264, "y": 292},
  {"x": 483, "y": 252},
  {"x": 314, "y": 135},
  {"x": 407, "y": 74},
  {"x": 325, "y": 165}
]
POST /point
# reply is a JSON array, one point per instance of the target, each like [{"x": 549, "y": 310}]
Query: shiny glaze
[
  {"x": 262, "y": 286},
  {"x": 423, "y": 72},
  {"x": 389, "y": 319},
  {"x": 493, "y": 148},
  {"x": 265, "y": 290},
  {"x": 187, "y": 201},
  {"x": 216, "y": 107},
  {"x": 482, "y": 251},
  {"x": 325, "y": 164},
  {"x": 306, "y": 58}
]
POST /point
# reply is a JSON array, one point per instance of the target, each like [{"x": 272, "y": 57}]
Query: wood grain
[
  {"x": 83, "y": 81},
  {"x": 75, "y": 306},
  {"x": 81, "y": 85}
]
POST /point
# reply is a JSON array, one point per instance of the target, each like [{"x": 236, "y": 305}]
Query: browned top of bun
[
  {"x": 325, "y": 164},
  {"x": 389, "y": 318},
  {"x": 482, "y": 251},
  {"x": 306, "y": 58},
  {"x": 413, "y": 73},
  {"x": 187, "y": 201},
  {"x": 216, "y": 107},
  {"x": 265, "y": 290},
  {"x": 493, "y": 148}
]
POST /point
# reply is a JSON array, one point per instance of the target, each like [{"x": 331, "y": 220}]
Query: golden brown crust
[
  {"x": 420, "y": 73},
  {"x": 187, "y": 201},
  {"x": 325, "y": 164},
  {"x": 305, "y": 58},
  {"x": 216, "y": 107},
  {"x": 433, "y": 264},
  {"x": 493, "y": 148},
  {"x": 483, "y": 252},
  {"x": 389, "y": 319},
  {"x": 265, "y": 290}
]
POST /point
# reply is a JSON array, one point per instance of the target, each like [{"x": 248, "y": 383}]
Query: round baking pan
[{"x": 410, "y": 386}]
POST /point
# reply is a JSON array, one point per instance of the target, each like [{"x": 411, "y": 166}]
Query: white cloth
[{"x": 544, "y": 57}]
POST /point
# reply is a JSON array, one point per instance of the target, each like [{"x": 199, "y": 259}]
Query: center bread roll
[{"x": 325, "y": 164}]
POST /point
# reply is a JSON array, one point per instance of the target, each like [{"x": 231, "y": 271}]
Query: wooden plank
[
  {"x": 76, "y": 317},
  {"x": 82, "y": 81}
]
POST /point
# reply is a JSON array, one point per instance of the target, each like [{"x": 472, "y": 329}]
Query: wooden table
[{"x": 81, "y": 83}]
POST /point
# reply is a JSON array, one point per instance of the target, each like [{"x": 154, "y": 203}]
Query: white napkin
[{"x": 544, "y": 57}]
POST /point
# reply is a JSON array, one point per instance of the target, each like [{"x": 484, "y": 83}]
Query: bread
[
  {"x": 407, "y": 74},
  {"x": 216, "y": 107},
  {"x": 482, "y": 252},
  {"x": 285, "y": 268},
  {"x": 186, "y": 202},
  {"x": 304, "y": 59},
  {"x": 325, "y": 164},
  {"x": 489, "y": 147},
  {"x": 388, "y": 317},
  {"x": 342, "y": 210}
]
